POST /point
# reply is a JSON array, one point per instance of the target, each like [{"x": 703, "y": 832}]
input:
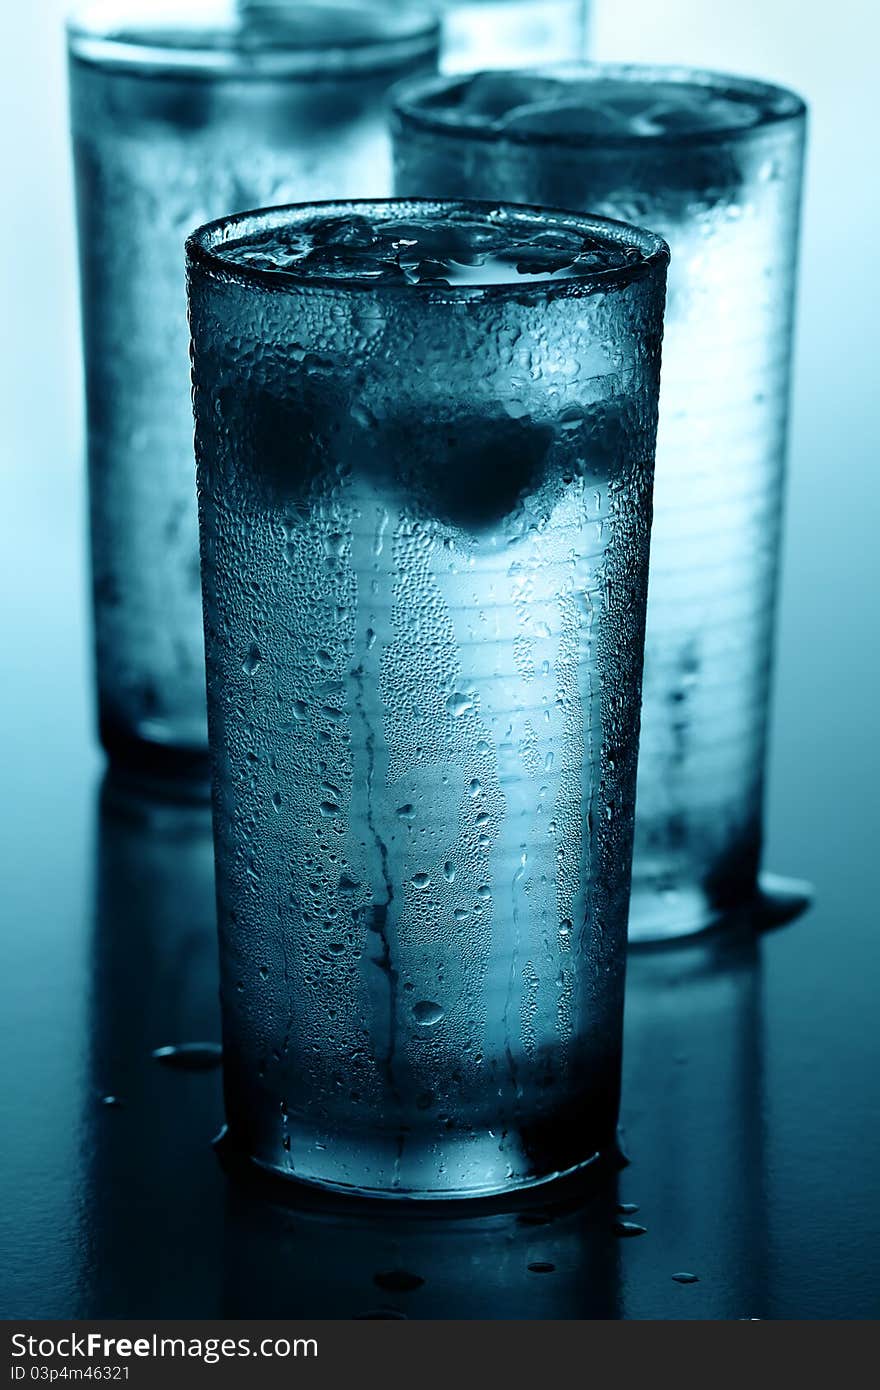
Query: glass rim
[
  {"x": 201, "y": 252},
  {"x": 133, "y": 45},
  {"x": 407, "y": 98}
]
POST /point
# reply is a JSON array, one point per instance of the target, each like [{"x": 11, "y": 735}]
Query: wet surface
[{"x": 751, "y": 1168}]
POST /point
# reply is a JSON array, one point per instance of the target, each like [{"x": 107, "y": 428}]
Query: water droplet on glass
[
  {"x": 420, "y": 880},
  {"x": 541, "y": 1267},
  {"x": 196, "y": 1056},
  {"x": 426, "y": 1013},
  {"x": 252, "y": 661},
  {"x": 449, "y": 872},
  {"x": 457, "y": 705},
  {"x": 685, "y": 1278}
]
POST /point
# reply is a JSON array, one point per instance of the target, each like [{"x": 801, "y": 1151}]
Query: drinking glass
[
  {"x": 424, "y": 438},
  {"x": 182, "y": 112},
  {"x": 714, "y": 164}
]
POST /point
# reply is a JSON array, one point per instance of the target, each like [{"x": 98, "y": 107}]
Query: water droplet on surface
[
  {"x": 277, "y": 800},
  {"x": 196, "y": 1056},
  {"x": 685, "y": 1278},
  {"x": 406, "y": 812},
  {"x": 629, "y": 1228},
  {"x": 541, "y": 1267},
  {"x": 253, "y": 661},
  {"x": 420, "y": 880},
  {"x": 457, "y": 705},
  {"x": 475, "y": 787},
  {"x": 426, "y": 1013},
  {"x": 449, "y": 872},
  {"x": 112, "y": 1102},
  {"x": 484, "y": 893},
  {"x": 324, "y": 659},
  {"x": 398, "y": 1281},
  {"x": 627, "y": 1208}
]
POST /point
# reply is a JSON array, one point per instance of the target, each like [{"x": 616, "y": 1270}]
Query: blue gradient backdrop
[{"x": 819, "y": 1040}]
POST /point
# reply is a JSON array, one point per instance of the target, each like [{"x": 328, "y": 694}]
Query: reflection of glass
[
  {"x": 424, "y": 436},
  {"x": 313, "y": 1261},
  {"x": 180, "y": 112},
  {"x": 154, "y": 985},
  {"x": 693, "y": 1111},
  {"x": 508, "y": 33},
  {"x": 714, "y": 164}
]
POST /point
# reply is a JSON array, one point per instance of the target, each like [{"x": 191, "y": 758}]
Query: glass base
[
  {"x": 488, "y": 1177},
  {"x": 656, "y": 918},
  {"x": 150, "y": 762}
]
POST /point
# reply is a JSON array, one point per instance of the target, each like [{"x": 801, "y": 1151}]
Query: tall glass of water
[
  {"x": 182, "y": 112},
  {"x": 714, "y": 164},
  {"x": 425, "y": 437}
]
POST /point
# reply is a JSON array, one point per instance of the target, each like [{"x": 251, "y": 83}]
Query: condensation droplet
[{"x": 426, "y": 1013}]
